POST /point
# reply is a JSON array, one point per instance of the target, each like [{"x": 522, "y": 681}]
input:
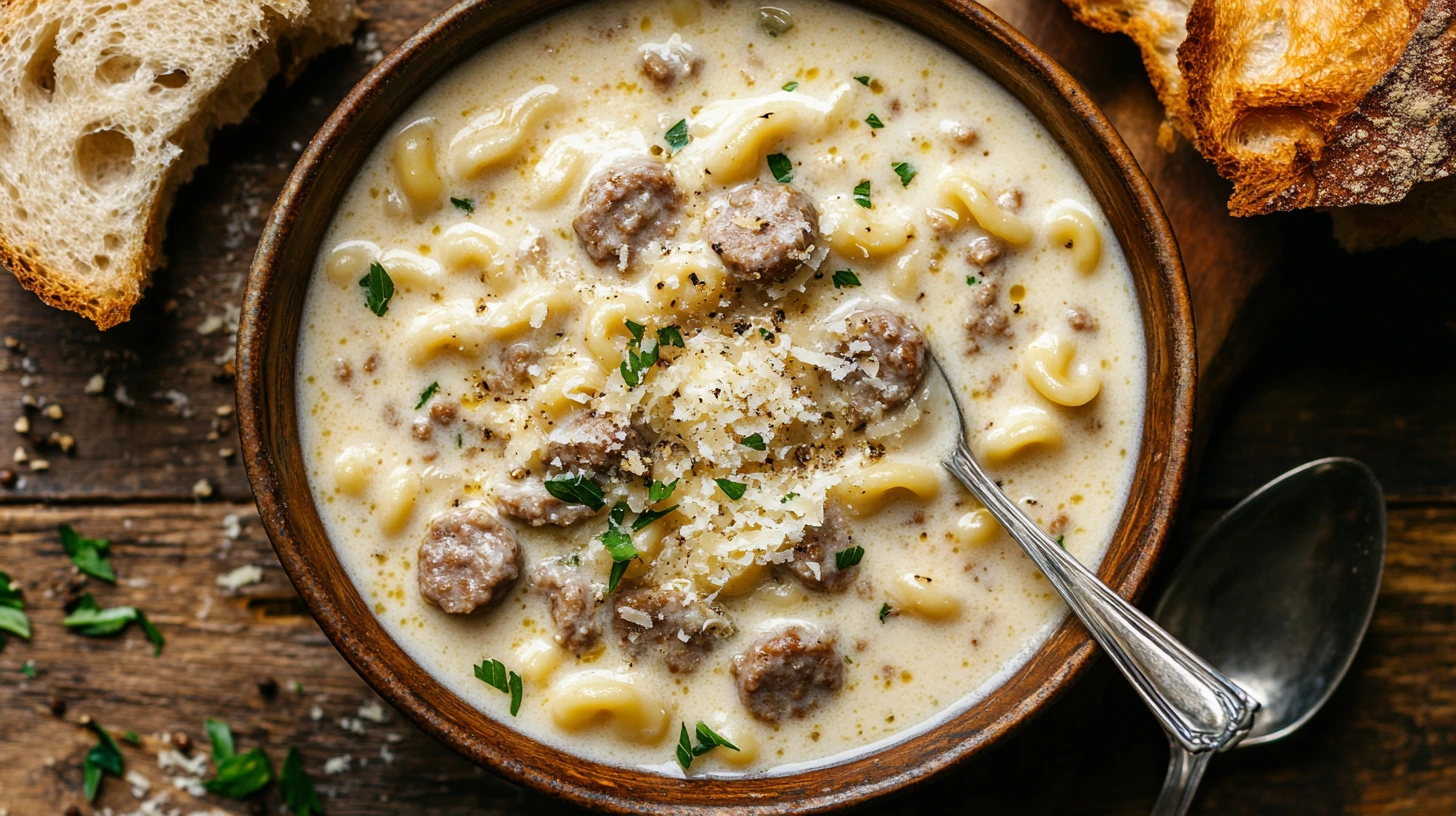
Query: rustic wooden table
[{"x": 1359, "y": 359}]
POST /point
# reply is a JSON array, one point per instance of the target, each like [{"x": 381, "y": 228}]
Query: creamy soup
[{"x": 616, "y": 393}]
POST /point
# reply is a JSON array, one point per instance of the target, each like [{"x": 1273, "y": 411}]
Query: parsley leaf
[
  {"x": 781, "y": 167},
  {"x": 755, "y": 442},
  {"x": 844, "y": 559},
  {"x": 1061, "y": 543},
  {"x": 862, "y": 195},
  {"x": 576, "y": 489},
  {"x": 791, "y": 86},
  {"x": 298, "y": 792},
  {"x": 765, "y": 334},
  {"x": 684, "y": 748},
  {"x": 845, "y": 278},
  {"x": 735, "y": 490},
  {"x": 884, "y": 612},
  {"x": 788, "y": 497},
  {"x": 638, "y": 360},
  {"x": 493, "y": 673},
  {"x": 874, "y": 121},
  {"x": 28, "y": 669},
  {"x": 241, "y": 775},
  {"x": 466, "y": 205},
  {"x": 677, "y": 136},
  {"x": 430, "y": 390},
  {"x": 378, "y": 289},
  {"x": 619, "y": 544},
  {"x": 972, "y": 280},
  {"x": 659, "y": 491},
  {"x": 670, "y": 336},
  {"x": 88, "y": 554},
  {"x": 906, "y": 171},
  {"x": 221, "y": 737},
  {"x": 648, "y": 516},
  {"x": 12, "y": 616},
  {"x": 91, "y": 620},
  {"x": 708, "y": 740},
  {"x": 863, "y": 80},
  {"x": 104, "y": 756}
]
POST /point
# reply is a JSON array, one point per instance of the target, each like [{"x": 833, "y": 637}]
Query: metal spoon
[
  {"x": 1279, "y": 594},
  {"x": 1202, "y": 710}
]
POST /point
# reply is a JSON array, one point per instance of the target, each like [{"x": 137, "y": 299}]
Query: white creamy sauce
[{"x": 520, "y": 130}]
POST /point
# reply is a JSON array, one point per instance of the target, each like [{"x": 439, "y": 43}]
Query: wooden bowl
[{"x": 267, "y": 345}]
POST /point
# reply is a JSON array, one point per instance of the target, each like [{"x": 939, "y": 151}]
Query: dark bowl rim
[{"x": 264, "y": 473}]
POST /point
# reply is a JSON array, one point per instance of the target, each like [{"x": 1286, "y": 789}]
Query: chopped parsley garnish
[
  {"x": 639, "y": 360},
  {"x": 884, "y": 612},
  {"x": 576, "y": 489},
  {"x": 972, "y": 280},
  {"x": 28, "y": 669},
  {"x": 735, "y": 490},
  {"x": 670, "y": 336},
  {"x": 755, "y": 441},
  {"x": 466, "y": 205},
  {"x": 862, "y": 194},
  {"x": 844, "y": 559},
  {"x": 430, "y": 390},
  {"x": 646, "y": 517},
  {"x": 12, "y": 610},
  {"x": 378, "y": 289},
  {"x": 863, "y": 80},
  {"x": 788, "y": 497},
  {"x": 765, "y": 334},
  {"x": 677, "y": 136},
  {"x": 707, "y": 741},
  {"x": 88, "y": 554},
  {"x": 845, "y": 278},
  {"x": 238, "y": 775},
  {"x": 906, "y": 171},
  {"x": 659, "y": 491},
  {"x": 91, "y": 620},
  {"x": 791, "y": 86},
  {"x": 1060, "y": 543},
  {"x": 298, "y": 792},
  {"x": 781, "y": 167},
  {"x": 493, "y": 673},
  {"x": 618, "y": 542},
  {"x": 874, "y": 121},
  {"x": 104, "y": 757}
]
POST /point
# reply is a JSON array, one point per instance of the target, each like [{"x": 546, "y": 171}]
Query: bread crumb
[
  {"x": 20, "y": 456},
  {"x": 40, "y": 464},
  {"x": 202, "y": 489},
  {"x": 96, "y": 385},
  {"x": 54, "y": 412},
  {"x": 22, "y": 424},
  {"x": 242, "y": 576}
]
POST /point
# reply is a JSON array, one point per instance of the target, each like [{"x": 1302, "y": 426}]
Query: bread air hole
[
  {"x": 40, "y": 72},
  {"x": 104, "y": 159},
  {"x": 5, "y": 129},
  {"x": 175, "y": 78},
  {"x": 117, "y": 68}
]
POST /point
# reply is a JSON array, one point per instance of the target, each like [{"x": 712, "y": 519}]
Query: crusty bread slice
[
  {"x": 106, "y": 108},
  {"x": 1158, "y": 28}
]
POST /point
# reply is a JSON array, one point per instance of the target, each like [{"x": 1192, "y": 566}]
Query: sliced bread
[{"x": 106, "y": 108}]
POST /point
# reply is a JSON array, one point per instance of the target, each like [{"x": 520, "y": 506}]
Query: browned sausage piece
[
  {"x": 814, "y": 556},
  {"x": 788, "y": 673},
  {"x": 468, "y": 559},
  {"x": 593, "y": 443},
  {"x": 514, "y": 371},
  {"x": 898, "y": 349},
  {"x": 629, "y": 204},
  {"x": 573, "y": 602},
  {"x": 668, "y": 623},
  {"x": 668, "y": 63},
  {"x": 528, "y": 501},
  {"x": 765, "y": 232}
]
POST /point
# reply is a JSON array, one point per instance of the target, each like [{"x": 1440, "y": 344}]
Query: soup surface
[{"x": 616, "y": 395}]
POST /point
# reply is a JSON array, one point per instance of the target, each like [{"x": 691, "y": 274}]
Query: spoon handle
[
  {"x": 1199, "y": 707},
  {"x": 1185, "y": 771}
]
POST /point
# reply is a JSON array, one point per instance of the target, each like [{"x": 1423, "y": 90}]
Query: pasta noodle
[
  {"x": 966, "y": 194},
  {"x": 397, "y": 504},
  {"x": 872, "y": 487},
  {"x": 919, "y": 595},
  {"x": 1070, "y": 227},
  {"x": 976, "y": 527},
  {"x": 538, "y": 659},
  {"x": 415, "y": 168},
  {"x": 528, "y": 307},
  {"x": 732, "y": 137},
  {"x": 586, "y": 699},
  {"x": 861, "y": 233},
  {"x": 1023, "y": 426},
  {"x": 1047, "y": 364},
  {"x": 349, "y": 261},
  {"x": 499, "y": 134},
  {"x": 410, "y": 271},
  {"x": 467, "y": 246}
]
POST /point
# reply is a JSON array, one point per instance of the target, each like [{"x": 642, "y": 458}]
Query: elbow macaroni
[
  {"x": 467, "y": 246},
  {"x": 528, "y": 307},
  {"x": 499, "y": 134},
  {"x": 415, "y": 167},
  {"x": 349, "y": 261},
  {"x": 732, "y": 137},
  {"x": 591, "y": 698},
  {"x": 872, "y": 487},
  {"x": 410, "y": 271},
  {"x": 1023, "y": 426},
  {"x": 397, "y": 504},
  {"x": 959, "y": 190},
  {"x": 1070, "y": 227},
  {"x": 863, "y": 234},
  {"x": 1047, "y": 364},
  {"x": 920, "y": 596}
]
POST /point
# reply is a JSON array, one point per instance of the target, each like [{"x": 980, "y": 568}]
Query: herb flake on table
[
  {"x": 90, "y": 555},
  {"x": 91, "y": 620},
  {"x": 378, "y": 289},
  {"x": 845, "y": 278},
  {"x": 465, "y": 205},
  {"x": 238, "y": 775},
  {"x": 781, "y": 167},
  {"x": 493, "y": 673},
  {"x": 430, "y": 390},
  {"x": 755, "y": 442},
  {"x": 28, "y": 669},
  {"x": 874, "y": 121},
  {"x": 104, "y": 757},
  {"x": 677, "y": 136},
  {"x": 906, "y": 171},
  {"x": 735, "y": 490},
  {"x": 576, "y": 489},
  {"x": 844, "y": 559},
  {"x": 12, "y": 610},
  {"x": 862, "y": 195},
  {"x": 298, "y": 792}
]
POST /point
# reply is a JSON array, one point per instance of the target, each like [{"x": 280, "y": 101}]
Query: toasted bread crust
[{"x": 1157, "y": 36}]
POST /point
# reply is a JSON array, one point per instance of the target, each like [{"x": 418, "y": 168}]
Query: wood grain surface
[{"x": 1348, "y": 356}]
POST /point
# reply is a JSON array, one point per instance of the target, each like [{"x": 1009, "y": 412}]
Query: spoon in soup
[
  {"x": 1278, "y": 593},
  {"x": 1202, "y": 710}
]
